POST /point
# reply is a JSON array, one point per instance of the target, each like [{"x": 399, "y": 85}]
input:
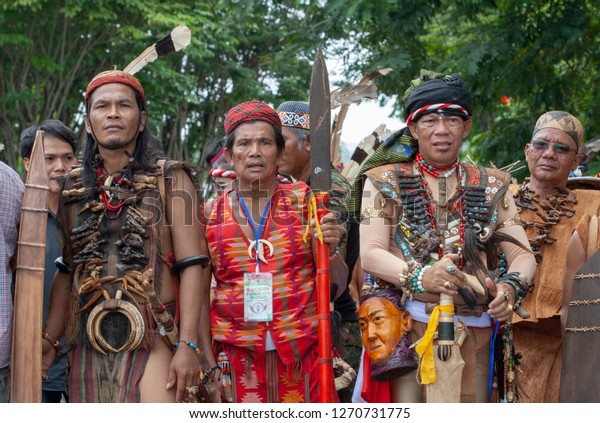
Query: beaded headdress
[
  {"x": 562, "y": 121},
  {"x": 294, "y": 114}
]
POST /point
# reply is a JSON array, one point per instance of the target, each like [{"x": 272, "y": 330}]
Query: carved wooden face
[{"x": 382, "y": 326}]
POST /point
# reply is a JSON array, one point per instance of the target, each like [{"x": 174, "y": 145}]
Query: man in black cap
[
  {"x": 428, "y": 222},
  {"x": 295, "y": 162}
]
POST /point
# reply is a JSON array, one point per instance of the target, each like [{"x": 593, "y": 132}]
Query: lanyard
[
  {"x": 492, "y": 361},
  {"x": 260, "y": 227}
]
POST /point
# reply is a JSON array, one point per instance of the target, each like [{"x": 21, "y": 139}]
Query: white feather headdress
[{"x": 178, "y": 39}]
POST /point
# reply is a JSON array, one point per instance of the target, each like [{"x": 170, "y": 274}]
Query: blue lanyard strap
[
  {"x": 492, "y": 361},
  {"x": 260, "y": 227}
]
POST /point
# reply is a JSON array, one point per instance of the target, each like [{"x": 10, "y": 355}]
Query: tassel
[
  {"x": 176, "y": 40},
  {"x": 225, "y": 366},
  {"x": 312, "y": 213}
]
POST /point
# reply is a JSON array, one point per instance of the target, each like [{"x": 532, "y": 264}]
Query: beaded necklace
[
  {"x": 434, "y": 170},
  {"x": 108, "y": 183},
  {"x": 424, "y": 167}
]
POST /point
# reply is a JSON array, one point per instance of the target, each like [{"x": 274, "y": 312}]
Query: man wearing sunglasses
[{"x": 549, "y": 212}]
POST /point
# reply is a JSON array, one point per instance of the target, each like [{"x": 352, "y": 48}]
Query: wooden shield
[{"x": 26, "y": 358}]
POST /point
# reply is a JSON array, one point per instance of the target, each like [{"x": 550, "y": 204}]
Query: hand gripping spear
[
  {"x": 26, "y": 366},
  {"x": 320, "y": 182}
]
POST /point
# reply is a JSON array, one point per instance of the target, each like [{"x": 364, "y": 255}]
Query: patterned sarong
[{"x": 282, "y": 383}]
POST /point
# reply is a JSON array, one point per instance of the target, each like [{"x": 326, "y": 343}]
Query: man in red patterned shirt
[{"x": 263, "y": 319}]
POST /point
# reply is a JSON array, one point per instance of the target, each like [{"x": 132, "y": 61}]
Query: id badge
[{"x": 258, "y": 297}]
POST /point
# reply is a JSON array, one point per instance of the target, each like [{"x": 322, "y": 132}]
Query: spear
[
  {"x": 26, "y": 366},
  {"x": 320, "y": 183}
]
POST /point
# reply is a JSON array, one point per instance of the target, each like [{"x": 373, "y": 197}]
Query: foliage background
[{"x": 538, "y": 55}]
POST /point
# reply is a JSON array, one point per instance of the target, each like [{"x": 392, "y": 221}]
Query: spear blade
[{"x": 320, "y": 126}]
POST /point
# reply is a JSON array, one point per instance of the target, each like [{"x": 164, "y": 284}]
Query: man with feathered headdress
[{"x": 129, "y": 215}]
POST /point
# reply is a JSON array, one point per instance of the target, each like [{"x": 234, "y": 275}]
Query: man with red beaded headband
[
  {"x": 431, "y": 226},
  {"x": 128, "y": 217},
  {"x": 262, "y": 324}
]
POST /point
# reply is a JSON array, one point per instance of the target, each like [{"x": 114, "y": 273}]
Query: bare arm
[
  {"x": 519, "y": 260},
  {"x": 187, "y": 235},
  {"x": 378, "y": 260},
  {"x": 207, "y": 358},
  {"x": 205, "y": 343},
  {"x": 58, "y": 314},
  {"x": 375, "y": 231}
]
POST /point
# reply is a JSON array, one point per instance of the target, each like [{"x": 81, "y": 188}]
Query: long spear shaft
[{"x": 26, "y": 366}]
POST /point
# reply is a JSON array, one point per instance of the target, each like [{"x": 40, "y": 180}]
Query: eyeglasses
[
  {"x": 541, "y": 145},
  {"x": 431, "y": 120}
]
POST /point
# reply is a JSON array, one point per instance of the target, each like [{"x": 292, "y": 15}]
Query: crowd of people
[{"x": 470, "y": 283}]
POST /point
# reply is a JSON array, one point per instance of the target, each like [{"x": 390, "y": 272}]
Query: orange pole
[{"x": 323, "y": 299}]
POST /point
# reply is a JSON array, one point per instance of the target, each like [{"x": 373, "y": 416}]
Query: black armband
[
  {"x": 62, "y": 266},
  {"x": 190, "y": 261}
]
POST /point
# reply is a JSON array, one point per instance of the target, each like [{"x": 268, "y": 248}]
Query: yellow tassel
[
  {"x": 425, "y": 347},
  {"x": 312, "y": 213}
]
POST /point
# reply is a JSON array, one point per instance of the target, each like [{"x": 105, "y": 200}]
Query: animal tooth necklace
[
  {"x": 258, "y": 244},
  {"x": 258, "y": 286}
]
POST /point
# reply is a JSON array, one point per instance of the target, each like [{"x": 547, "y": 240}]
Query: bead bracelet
[{"x": 189, "y": 344}]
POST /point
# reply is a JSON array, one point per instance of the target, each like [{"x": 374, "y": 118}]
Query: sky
[{"x": 361, "y": 120}]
